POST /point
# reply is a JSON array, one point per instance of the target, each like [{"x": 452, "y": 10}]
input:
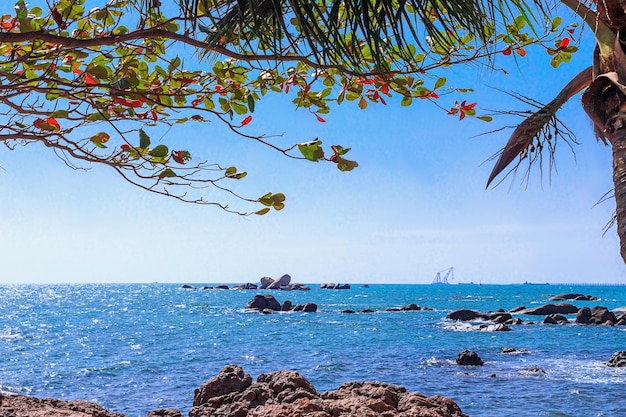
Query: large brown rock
[
  {"x": 601, "y": 315},
  {"x": 231, "y": 379},
  {"x": 289, "y": 394},
  {"x": 22, "y": 406},
  {"x": 280, "y": 282},
  {"x": 262, "y": 302}
]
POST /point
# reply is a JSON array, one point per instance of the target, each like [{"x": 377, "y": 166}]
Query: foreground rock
[
  {"x": 618, "y": 360},
  {"x": 21, "y": 406},
  {"x": 288, "y": 394}
]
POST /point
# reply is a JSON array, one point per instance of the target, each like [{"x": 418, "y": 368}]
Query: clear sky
[{"x": 416, "y": 205}]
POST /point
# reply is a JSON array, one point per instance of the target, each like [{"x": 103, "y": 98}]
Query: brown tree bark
[{"x": 618, "y": 143}]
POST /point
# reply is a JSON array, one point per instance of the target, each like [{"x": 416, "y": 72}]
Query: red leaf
[
  {"x": 220, "y": 90},
  {"x": 89, "y": 79},
  {"x": 197, "y": 101},
  {"x": 128, "y": 102},
  {"x": 246, "y": 120},
  {"x": 319, "y": 119},
  {"x": 508, "y": 51},
  {"x": 155, "y": 117},
  {"x": 521, "y": 52},
  {"x": 465, "y": 106},
  {"x": 564, "y": 43},
  {"x": 125, "y": 147},
  {"x": 178, "y": 157},
  {"x": 50, "y": 124}
]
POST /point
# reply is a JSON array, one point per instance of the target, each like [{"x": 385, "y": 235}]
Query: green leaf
[
  {"x": 345, "y": 164},
  {"x": 266, "y": 200},
  {"x": 167, "y": 173},
  {"x": 485, "y": 118},
  {"x": 160, "y": 151},
  {"x": 556, "y": 22},
  {"x": 312, "y": 150},
  {"x": 59, "y": 114},
  {"x": 406, "y": 100},
  {"x": 440, "y": 83},
  {"x": 251, "y": 103},
  {"x": 230, "y": 171},
  {"x": 144, "y": 139},
  {"x": 263, "y": 211}
]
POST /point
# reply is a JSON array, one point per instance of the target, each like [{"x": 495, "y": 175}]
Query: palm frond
[{"x": 351, "y": 33}]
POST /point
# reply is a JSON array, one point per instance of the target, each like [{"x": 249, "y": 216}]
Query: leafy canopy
[{"x": 98, "y": 85}]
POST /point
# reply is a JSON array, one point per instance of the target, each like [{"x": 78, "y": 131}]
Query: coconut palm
[{"x": 358, "y": 36}]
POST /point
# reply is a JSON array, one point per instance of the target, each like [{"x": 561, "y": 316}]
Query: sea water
[{"x": 134, "y": 348}]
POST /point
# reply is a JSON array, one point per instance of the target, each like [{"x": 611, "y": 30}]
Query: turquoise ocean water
[{"x": 134, "y": 348}]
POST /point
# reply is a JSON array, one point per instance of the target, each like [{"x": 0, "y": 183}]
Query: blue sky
[{"x": 416, "y": 205}]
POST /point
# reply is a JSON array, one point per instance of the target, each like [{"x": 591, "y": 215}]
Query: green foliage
[{"x": 127, "y": 84}]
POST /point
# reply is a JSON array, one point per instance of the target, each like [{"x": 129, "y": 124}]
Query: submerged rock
[{"x": 289, "y": 394}]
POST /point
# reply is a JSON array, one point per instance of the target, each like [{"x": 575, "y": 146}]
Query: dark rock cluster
[
  {"x": 333, "y": 286},
  {"x": 576, "y": 297},
  {"x": 268, "y": 304}
]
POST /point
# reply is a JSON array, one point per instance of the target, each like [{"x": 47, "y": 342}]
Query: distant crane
[{"x": 448, "y": 273}]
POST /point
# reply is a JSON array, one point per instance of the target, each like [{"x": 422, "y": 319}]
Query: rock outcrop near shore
[
  {"x": 232, "y": 393},
  {"x": 13, "y": 405}
]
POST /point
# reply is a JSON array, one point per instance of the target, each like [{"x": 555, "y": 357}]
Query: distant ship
[
  {"x": 449, "y": 273},
  {"x": 536, "y": 283}
]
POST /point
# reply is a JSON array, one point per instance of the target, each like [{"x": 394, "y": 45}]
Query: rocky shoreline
[{"x": 233, "y": 393}]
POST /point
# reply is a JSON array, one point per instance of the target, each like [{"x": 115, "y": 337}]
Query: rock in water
[
  {"x": 469, "y": 358},
  {"x": 465, "y": 315},
  {"x": 281, "y": 282},
  {"x": 551, "y": 309},
  {"x": 289, "y": 394},
  {"x": 618, "y": 360}
]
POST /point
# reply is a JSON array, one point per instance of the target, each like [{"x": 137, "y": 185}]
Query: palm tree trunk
[{"x": 618, "y": 143}]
